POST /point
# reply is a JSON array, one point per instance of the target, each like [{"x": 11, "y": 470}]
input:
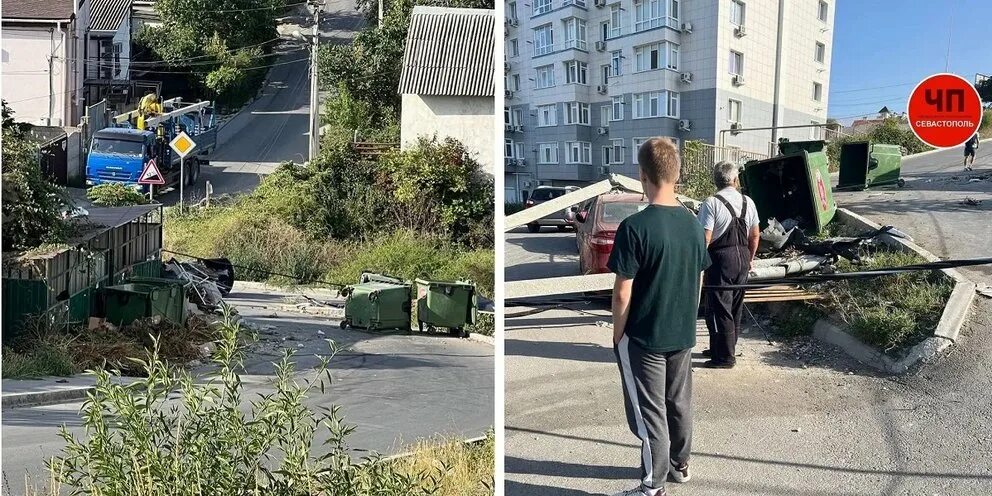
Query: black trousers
[{"x": 723, "y": 308}]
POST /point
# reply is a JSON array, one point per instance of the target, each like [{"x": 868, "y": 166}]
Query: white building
[
  {"x": 447, "y": 81},
  {"x": 588, "y": 80},
  {"x": 42, "y": 43},
  {"x": 108, "y": 50}
]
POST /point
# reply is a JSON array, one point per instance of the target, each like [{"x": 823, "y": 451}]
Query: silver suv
[{"x": 561, "y": 219}]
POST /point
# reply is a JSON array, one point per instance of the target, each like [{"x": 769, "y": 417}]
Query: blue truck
[{"x": 119, "y": 153}]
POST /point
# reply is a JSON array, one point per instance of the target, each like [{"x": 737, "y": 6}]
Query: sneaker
[
  {"x": 680, "y": 473},
  {"x": 639, "y": 491},
  {"x": 710, "y": 364}
]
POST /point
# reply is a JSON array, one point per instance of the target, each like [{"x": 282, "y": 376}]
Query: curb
[
  {"x": 935, "y": 150},
  {"x": 407, "y": 454},
  {"x": 481, "y": 338},
  {"x": 41, "y": 398},
  {"x": 955, "y": 312}
]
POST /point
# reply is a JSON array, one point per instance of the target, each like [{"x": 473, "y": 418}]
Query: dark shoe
[
  {"x": 680, "y": 473},
  {"x": 707, "y": 353},
  {"x": 710, "y": 364}
]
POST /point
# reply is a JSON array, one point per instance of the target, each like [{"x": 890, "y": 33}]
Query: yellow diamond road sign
[{"x": 182, "y": 144}]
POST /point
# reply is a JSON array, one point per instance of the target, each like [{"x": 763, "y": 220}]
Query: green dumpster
[
  {"x": 793, "y": 185},
  {"x": 369, "y": 276},
  {"x": 125, "y": 303},
  {"x": 376, "y": 306},
  {"x": 863, "y": 165},
  {"x": 450, "y": 305}
]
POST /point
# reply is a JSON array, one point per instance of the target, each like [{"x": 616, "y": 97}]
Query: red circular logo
[{"x": 944, "y": 110}]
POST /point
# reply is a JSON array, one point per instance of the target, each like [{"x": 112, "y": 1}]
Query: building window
[
  {"x": 514, "y": 84},
  {"x": 606, "y": 70},
  {"x": 578, "y": 152},
  {"x": 615, "y": 20},
  {"x": 822, "y": 10},
  {"x": 616, "y": 63},
  {"x": 576, "y": 72},
  {"x": 547, "y": 153},
  {"x": 650, "y": 57},
  {"x": 617, "y": 108},
  {"x": 575, "y": 33},
  {"x": 656, "y": 104},
  {"x": 736, "y": 63},
  {"x": 517, "y": 117},
  {"x": 655, "y": 13},
  {"x": 606, "y": 155},
  {"x": 734, "y": 110},
  {"x": 506, "y": 116},
  {"x": 617, "y": 145},
  {"x": 508, "y": 148},
  {"x": 547, "y": 115},
  {"x": 817, "y": 91},
  {"x": 514, "y": 48},
  {"x": 577, "y": 113},
  {"x": 604, "y": 115},
  {"x": 511, "y": 10},
  {"x": 737, "y": 8},
  {"x": 637, "y": 142},
  {"x": 545, "y": 76},
  {"x": 520, "y": 150},
  {"x": 542, "y": 6},
  {"x": 544, "y": 40},
  {"x": 820, "y": 53}
]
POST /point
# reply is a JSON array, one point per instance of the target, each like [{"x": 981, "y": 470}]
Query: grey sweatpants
[{"x": 657, "y": 392}]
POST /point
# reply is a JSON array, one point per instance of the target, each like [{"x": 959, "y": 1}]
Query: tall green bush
[{"x": 32, "y": 206}]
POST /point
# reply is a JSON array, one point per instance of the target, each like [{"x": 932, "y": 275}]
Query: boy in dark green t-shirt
[{"x": 658, "y": 256}]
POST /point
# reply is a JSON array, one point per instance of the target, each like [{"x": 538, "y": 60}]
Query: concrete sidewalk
[{"x": 788, "y": 420}]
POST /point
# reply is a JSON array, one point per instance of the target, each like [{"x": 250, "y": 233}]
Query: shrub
[
  {"x": 115, "y": 195},
  {"x": 216, "y": 442},
  {"x": 32, "y": 206}
]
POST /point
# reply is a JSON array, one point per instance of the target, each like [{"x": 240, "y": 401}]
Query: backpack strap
[{"x": 731, "y": 209}]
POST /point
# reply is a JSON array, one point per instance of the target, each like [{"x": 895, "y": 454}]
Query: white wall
[
  {"x": 24, "y": 65},
  {"x": 467, "y": 119}
]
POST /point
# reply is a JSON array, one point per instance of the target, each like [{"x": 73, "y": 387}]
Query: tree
[
  {"x": 985, "y": 91},
  {"x": 216, "y": 40},
  {"x": 369, "y": 68},
  {"x": 32, "y": 206}
]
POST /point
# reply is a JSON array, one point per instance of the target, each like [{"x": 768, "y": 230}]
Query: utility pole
[
  {"x": 380, "y": 13},
  {"x": 314, "y": 90}
]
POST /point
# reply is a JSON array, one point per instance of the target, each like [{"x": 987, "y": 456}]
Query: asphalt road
[
  {"x": 274, "y": 128},
  {"x": 790, "y": 419},
  {"x": 930, "y": 208},
  {"x": 394, "y": 388}
]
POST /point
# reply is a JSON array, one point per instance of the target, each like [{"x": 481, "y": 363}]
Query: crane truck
[{"x": 120, "y": 152}]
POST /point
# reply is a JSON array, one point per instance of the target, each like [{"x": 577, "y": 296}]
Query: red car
[{"x": 596, "y": 225}]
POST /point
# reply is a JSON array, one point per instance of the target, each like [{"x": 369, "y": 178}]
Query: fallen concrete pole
[{"x": 556, "y": 286}]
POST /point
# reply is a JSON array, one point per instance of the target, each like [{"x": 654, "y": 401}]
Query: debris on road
[{"x": 971, "y": 202}]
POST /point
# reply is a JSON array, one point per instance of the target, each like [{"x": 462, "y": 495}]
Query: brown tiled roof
[{"x": 40, "y": 10}]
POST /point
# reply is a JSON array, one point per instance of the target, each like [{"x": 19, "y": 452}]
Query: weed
[
  {"x": 797, "y": 320},
  {"x": 210, "y": 440},
  {"x": 889, "y": 312},
  {"x": 468, "y": 468}
]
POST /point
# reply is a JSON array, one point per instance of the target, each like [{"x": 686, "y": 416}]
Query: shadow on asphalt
[
  {"x": 584, "y": 352},
  {"x": 51, "y": 416},
  {"x": 522, "y": 489},
  {"x": 516, "y": 465}
]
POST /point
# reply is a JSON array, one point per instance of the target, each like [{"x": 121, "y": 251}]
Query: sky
[{"x": 883, "y": 48}]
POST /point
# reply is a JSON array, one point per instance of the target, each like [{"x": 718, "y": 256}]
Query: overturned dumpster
[
  {"x": 863, "y": 165},
  {"x": 793, "y": 185}
]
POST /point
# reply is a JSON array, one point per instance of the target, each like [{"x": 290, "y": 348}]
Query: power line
[{"x": 874, "y": 88}]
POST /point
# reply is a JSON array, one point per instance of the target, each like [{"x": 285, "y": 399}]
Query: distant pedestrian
[
  {"x": 970, "y": 147},
  {"x": 730, "y": 221},
  {"x": 658, "y": 256}
]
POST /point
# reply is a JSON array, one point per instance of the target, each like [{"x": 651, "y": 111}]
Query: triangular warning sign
[{"x": 151, "y": 174}]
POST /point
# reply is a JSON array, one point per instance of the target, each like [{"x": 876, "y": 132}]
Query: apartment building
[{"x": 587, "y": 81}]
